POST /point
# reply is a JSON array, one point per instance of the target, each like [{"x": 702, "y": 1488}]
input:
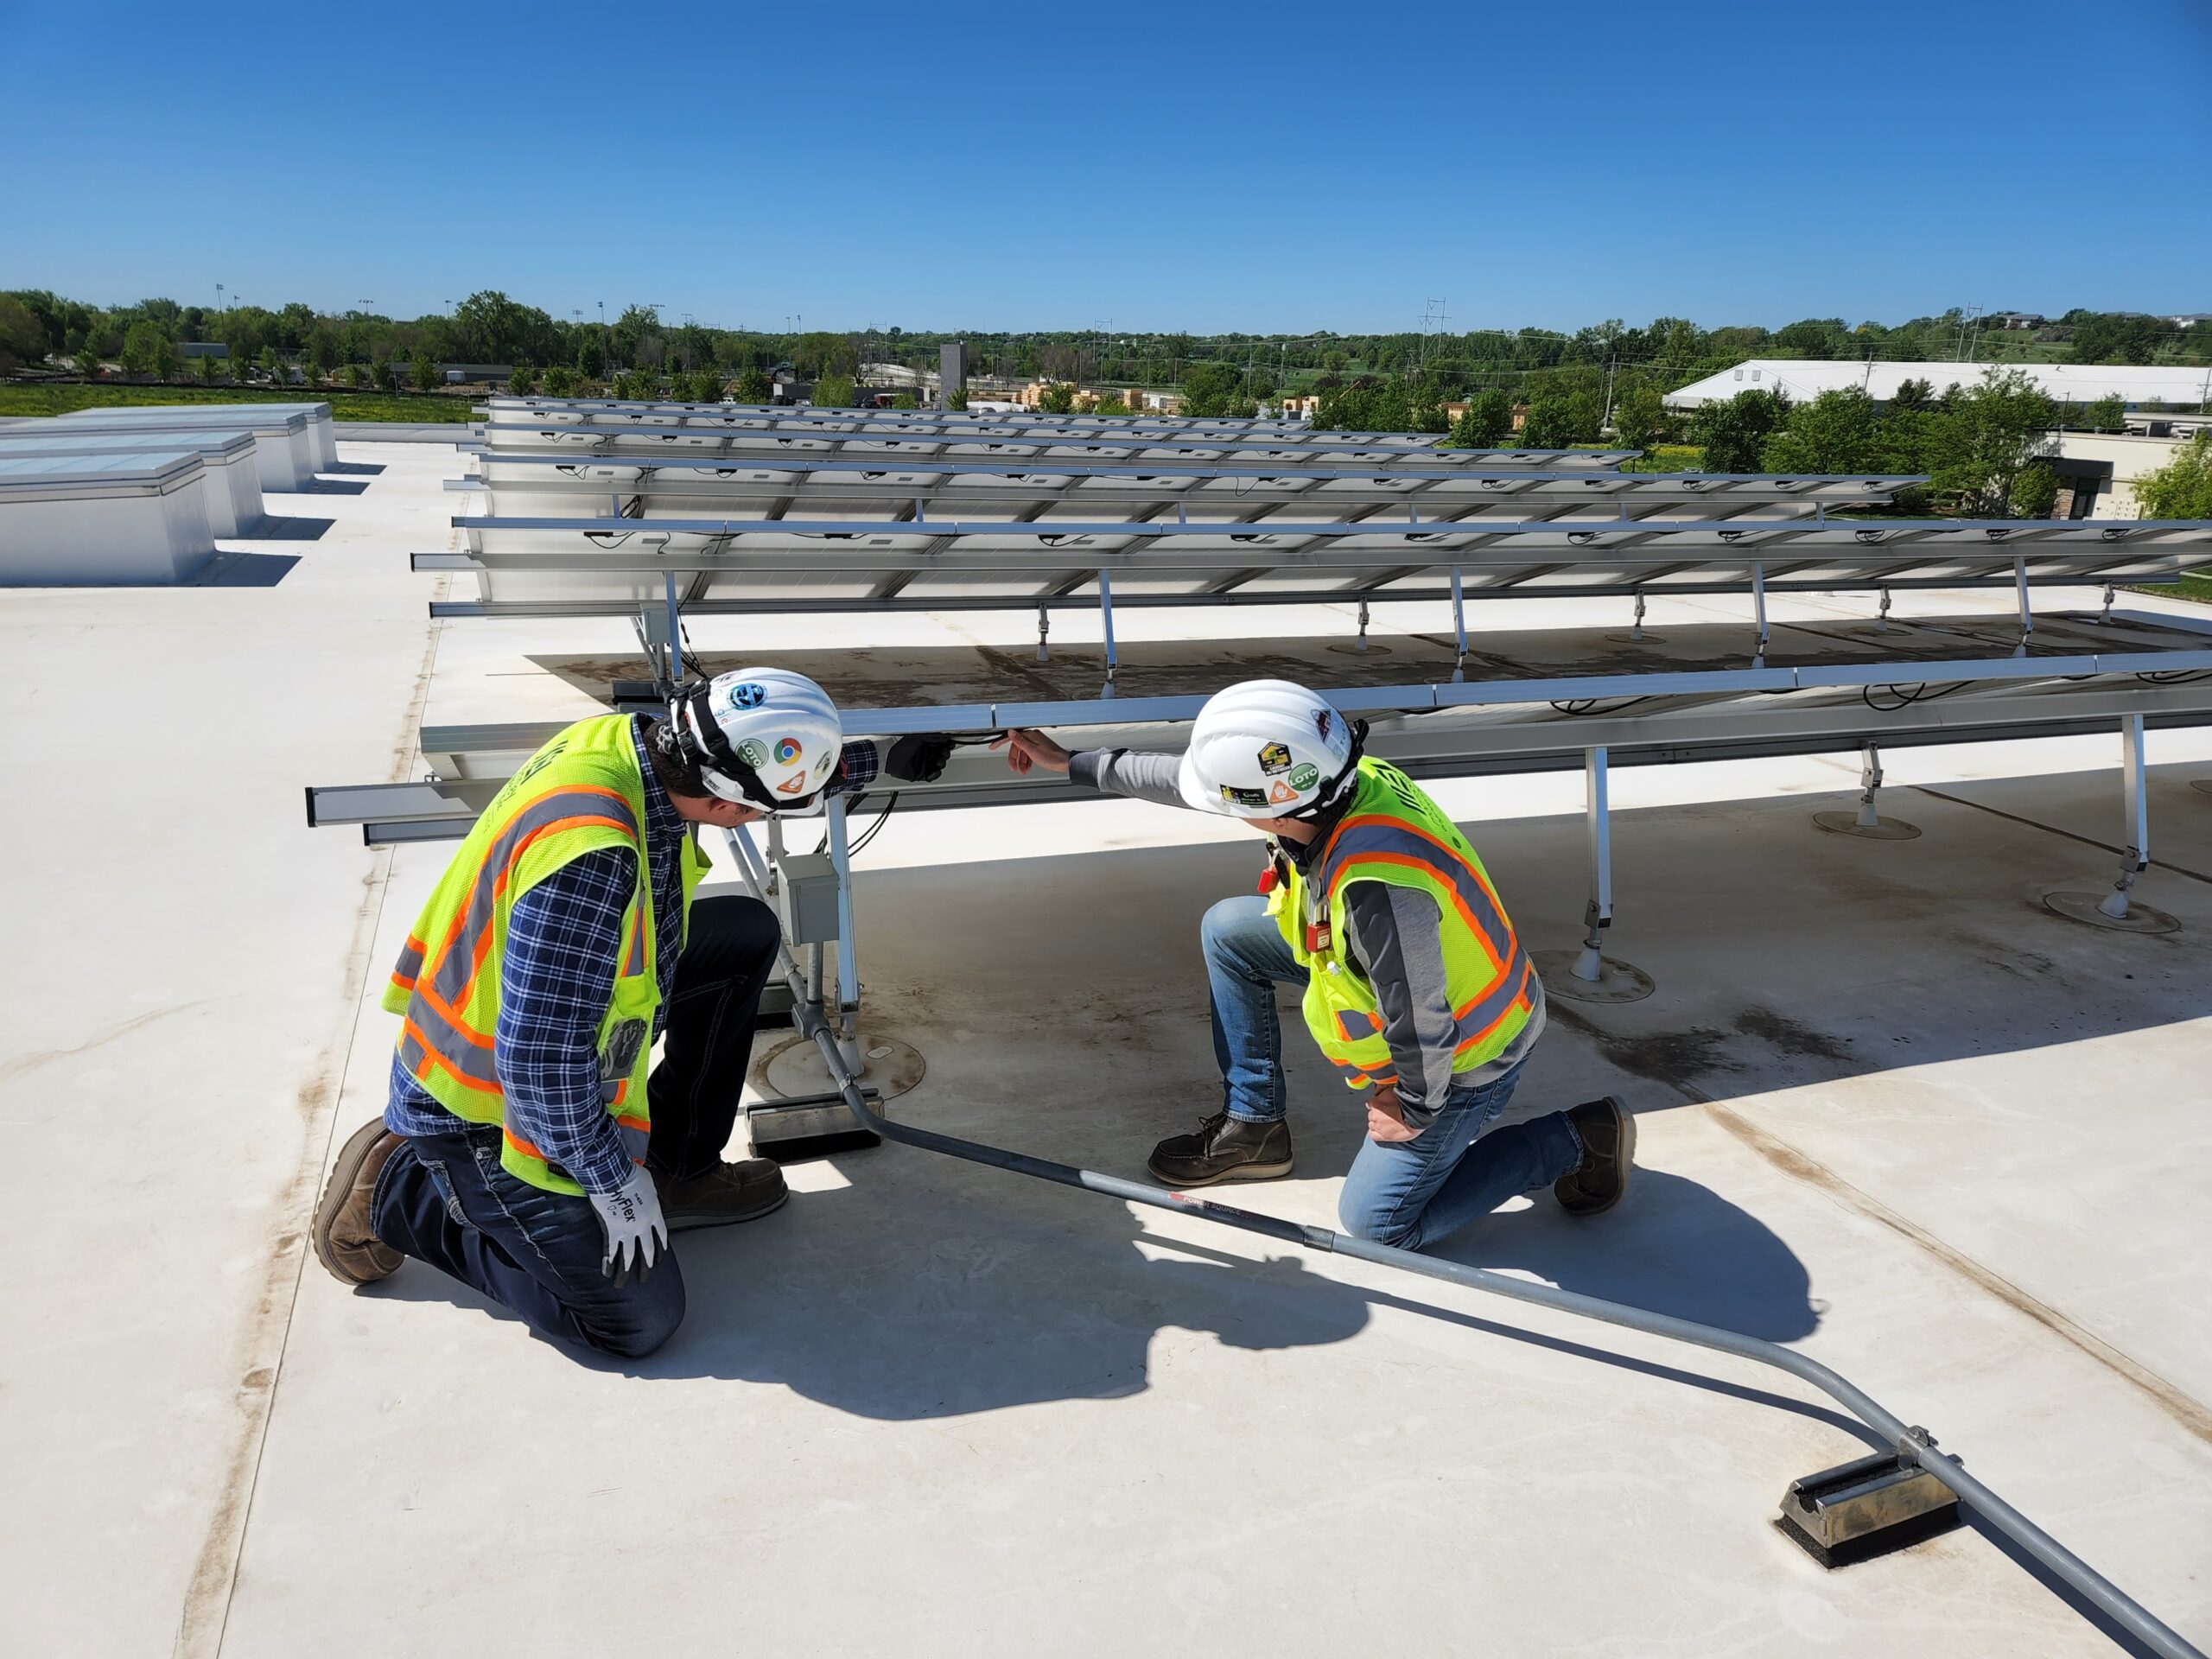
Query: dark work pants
[{"x": 446, "y": 1199}]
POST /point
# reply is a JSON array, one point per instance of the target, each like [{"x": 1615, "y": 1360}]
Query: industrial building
[{"x": 1801, "y": 380}]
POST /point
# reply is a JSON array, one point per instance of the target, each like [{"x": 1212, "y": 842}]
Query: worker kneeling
[
  {"x": 531, "y": 1147},
  {"x": 1416, "y": 985}
]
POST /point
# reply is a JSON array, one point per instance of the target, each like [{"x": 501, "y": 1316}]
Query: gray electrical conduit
[{"x": 1913, "y": 1444}]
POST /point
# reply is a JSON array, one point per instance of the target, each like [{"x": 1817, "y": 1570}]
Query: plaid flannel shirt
[{"x": 564, "y": 945}]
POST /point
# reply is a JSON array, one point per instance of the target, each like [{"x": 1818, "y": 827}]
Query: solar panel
[
  {"x": 948, "y": 563},
  {"x": 549, "y": 485}
]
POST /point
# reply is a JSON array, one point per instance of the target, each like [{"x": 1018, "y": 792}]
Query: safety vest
[
  {"x": 581, "y": 792},
  {"x": 1394, "y": 832}
]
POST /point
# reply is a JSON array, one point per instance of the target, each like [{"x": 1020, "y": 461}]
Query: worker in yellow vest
[
  {"x": 1416, "y": 985},
  {"x": 531, "y": 1146}
]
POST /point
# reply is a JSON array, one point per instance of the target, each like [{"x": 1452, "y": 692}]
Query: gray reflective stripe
[
  {"x": 410, "y": 964},
  {"x": 455, "y": 1049},
  {"x": 456, "y": 968},
  {"x": 635, "y": 1140},
  {"x": 1486, "y": 1010},
  {"x": 1369, "y": 839}
]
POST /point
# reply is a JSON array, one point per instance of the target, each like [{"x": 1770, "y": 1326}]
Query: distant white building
[
  {"x": 2098, "y": 471},
  {"x": 2068, "y": 383}
]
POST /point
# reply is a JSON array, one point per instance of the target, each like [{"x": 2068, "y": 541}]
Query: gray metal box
[
  {"x": 806, "y": 898},
  {"x": 953, "y": 370}
]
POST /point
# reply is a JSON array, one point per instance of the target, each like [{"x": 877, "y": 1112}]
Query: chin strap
[{"x": 1329, "y": 796}]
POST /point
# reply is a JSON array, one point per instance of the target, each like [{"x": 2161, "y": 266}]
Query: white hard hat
[
  {"x": 1265, "y": 749},
  {"x": 762, "y": 737}
]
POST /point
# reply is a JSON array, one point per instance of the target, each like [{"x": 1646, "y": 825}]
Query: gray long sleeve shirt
[{"x": 1396, "y": 939}]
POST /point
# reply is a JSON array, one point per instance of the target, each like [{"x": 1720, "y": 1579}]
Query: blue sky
[{"x": 1200, "y": 166}]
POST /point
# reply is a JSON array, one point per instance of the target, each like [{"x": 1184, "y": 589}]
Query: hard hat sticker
[
  {"x": 794, "y": 784},
  {"x": 1305, "y": 776},
  {"x": 787, "y": 751},
  {"x": 1237, "y": 796},
  {"x": 1281, "y": 792},
  {"x": 1321, "y": 721},
  {"x": 752, "y": 753},
  {"x": 747, "y": 694},
  {"x": 1274, "y": 758}
]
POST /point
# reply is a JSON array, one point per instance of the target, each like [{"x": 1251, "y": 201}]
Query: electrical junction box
[{"x": 806, "y": 898}]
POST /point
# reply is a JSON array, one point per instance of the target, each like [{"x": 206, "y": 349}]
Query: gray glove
[{"x": 636, "y": 1234}]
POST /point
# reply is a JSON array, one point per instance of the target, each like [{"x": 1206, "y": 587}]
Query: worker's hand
[
  {"x": 1385, "y": 1119},
  {"x": 1025, "y": 749},
  {"x": 636, "y": 1234}
]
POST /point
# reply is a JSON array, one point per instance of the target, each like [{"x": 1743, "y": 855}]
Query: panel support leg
[
  {"x": 2105, "y": 615},
  {"x": 1597, "y": 914},
  {"x": 1044, "y": 634},
  {"x": 2027, "y": 616},
  {"x": 1636, "y": 627},
  {"x": 2137, "y": 805},
  {"x": 1589, "y": 974},
  {"x": 1460, "y": 625},
  {"x": 848, "y": 979},
  {"x": 1866, "y": 823},
  {"x": 2118, "y": 909},
  {"x": 1758, "y": 610},
  {"x": 1106, "y": 616},
  {"x": 1881, "y": 616},
  {"x": 1361, "y": 645}
]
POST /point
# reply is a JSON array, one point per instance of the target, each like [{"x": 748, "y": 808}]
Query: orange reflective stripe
[
  {"x": 1519, "y": 1001},
  {"x": 1483, "y": 934}
]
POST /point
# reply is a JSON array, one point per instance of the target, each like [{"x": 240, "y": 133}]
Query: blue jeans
[
  {"x": 1408, "y": 1194},
  {"x": 446, "y": 1199}
]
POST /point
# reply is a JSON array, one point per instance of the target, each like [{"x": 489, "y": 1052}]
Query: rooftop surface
[{"x": 1893, "y": 1113}]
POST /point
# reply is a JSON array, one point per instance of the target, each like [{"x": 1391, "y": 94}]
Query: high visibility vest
[
  {"x": 1393, "y": 833},
  {"x": 581, "y": 792}
]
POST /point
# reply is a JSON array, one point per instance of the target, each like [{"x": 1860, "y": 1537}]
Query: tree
[
  {"x": 559, "y": 381},
  {"x": 1986, "y": 439},
  {"x": 1058, "y": 398},
  {"x": 270, "y": 364},
  {"x": 906, "y": 400},
  {"x": 1209, "y": 389},
  {"x": 833, "y": 392},
  {"x": 958, "y": 401},
  {"x": 591, "y": 355},
  {"x": 386, "y": 377},
  {"x": 23, "y": 337},
  {"x": 1488, "y": 420},
  {"x": 753, "y": 386},
  {"x": 520, "y": 381},
  {"x": 2035, "y": 492},
  {"x": 1911, "y": 394},
  {"x": 208, "y": 366},
  {"x": 1110, "y": 406},
  {"x": 1639, "y": 415},
  {"x": 1734, "y": 432},
  {"x": 322, "y": 355},
  {"x": 88, "y": 358},
  {"x": 357, "y": 376},
  {"x": 424, "y": 372},
  {"x": 146, "y": 349},
  {"x": 2115, "y": 337},
  {"x": 2106, "y": 415},
  {"x": 707, "y": 387},
  {"x": 1838, "y": 432},
  {"x": 2182, "y": 487}
]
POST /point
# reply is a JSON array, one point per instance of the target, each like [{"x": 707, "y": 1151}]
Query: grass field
[{"x": 345, "y": 403}]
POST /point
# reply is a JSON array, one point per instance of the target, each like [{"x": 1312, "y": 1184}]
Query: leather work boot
[
  {"x": 724, "y": 1194},
  {"x": 1608, "y": 1135},
  {"x": 1224, "y": 1148},
  {"x": 344, "y": 1241}
]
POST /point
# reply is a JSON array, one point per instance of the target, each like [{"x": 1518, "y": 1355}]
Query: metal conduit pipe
[{"x": 1912, "y": 1444}]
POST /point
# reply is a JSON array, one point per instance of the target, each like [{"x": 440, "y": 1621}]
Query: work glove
[
  {"x": 636, "y": 1234},
  {"x": 919, "y": 758}
]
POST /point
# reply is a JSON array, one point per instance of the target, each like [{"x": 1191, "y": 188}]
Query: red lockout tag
[
  {"x": 1317, "y": 939},
  {"x": 1268, "y": 879}
]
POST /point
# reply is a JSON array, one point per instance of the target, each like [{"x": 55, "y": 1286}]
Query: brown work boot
[
  {"x": 344, "y": 1240},
  {"x": 1608, "y": 1135},
  {"x": 1224, "y": 1148},
  {"x": 724, "y": 1194}
]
